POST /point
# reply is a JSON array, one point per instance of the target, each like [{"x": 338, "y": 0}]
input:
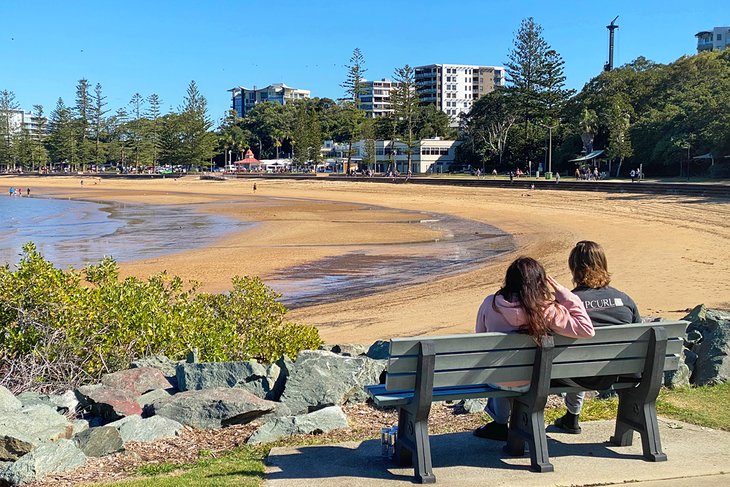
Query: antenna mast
[{"x": 611, "y": 27}]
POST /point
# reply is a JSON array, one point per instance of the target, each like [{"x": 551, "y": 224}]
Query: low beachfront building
[
  {"x": 382, "y": 156},
  {"x": 244, "y": 99}
]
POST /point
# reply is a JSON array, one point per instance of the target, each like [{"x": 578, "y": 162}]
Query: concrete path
[{"x": 696, "y": 456}]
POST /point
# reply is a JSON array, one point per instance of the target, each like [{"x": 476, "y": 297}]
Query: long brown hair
[
  {"x": 525, "y": 281},
  {"x": 587, "y": 262}
]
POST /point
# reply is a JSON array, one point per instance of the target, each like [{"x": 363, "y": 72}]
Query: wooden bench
[{"x": 441, "y": 368}]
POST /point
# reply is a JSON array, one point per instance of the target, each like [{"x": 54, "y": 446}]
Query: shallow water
[
  {"x": 376, "y": 268},
  {"x": 74, "y": 233}
]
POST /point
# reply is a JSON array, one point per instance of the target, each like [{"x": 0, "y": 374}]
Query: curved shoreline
[{"x": 668, "y": 252}]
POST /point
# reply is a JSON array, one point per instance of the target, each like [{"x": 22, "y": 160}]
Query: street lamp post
[{"x": 549, "y": 173}]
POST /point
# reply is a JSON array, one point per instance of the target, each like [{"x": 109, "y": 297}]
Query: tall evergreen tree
[
  {"x": 98, "y": 122},
  {"x": 197, "y": 143},
  {"x": 405, "y": 103},
  {"x": 83, "y": 113},
  {"x": 354, "y": 89},
  {"x": 535, "y": 72},
  {"x": 136, "y": 128},
  {"x": 7, "y": 128},
  {"x": 62, "y": 139},
  {"x": 40, "y": 153},
  {"x": 153, "y": 115}
]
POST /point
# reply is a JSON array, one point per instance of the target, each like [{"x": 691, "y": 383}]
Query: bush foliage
[{"x": 63, "y": 327}]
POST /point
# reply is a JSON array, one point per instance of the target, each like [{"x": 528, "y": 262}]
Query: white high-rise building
[
  {"x": 716, "y": 39},
  {"x": 20, "y": 120},
  {"x": 453, "y": 88},
  {"x": 375, "y": 99}
]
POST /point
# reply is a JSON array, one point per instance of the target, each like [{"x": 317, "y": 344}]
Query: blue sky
[{"x": 159, "y": 46}]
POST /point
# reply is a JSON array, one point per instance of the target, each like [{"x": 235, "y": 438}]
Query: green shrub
[{"x": 66, "y": 326}]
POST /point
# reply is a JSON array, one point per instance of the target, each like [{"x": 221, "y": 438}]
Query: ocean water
[{"x": 74, "y": 233}]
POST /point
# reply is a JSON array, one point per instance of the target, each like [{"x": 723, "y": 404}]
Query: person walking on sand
[
  {"x": 605, "y": 306},
  {"x": 524, "y": 304},
  {"x": 254, "y": 187},
  {"x": 557, "y": 177}
]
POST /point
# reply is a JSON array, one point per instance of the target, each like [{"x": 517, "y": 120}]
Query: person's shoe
[
  {"x": 492, "y": 431},
  {"x": 568, "y": 423}
]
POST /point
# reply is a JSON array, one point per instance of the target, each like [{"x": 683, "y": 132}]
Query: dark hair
[
  {"x": 525, "y": 281},
  {"x": 588, "y": 264}
]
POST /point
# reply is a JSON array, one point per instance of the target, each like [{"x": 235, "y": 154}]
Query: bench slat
[
  {"x": 469, "y": 342},
  {"x": 395, "y": 382},
  {"x": 526, "y": 357}
]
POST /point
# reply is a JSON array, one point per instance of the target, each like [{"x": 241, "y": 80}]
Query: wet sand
[{"x": 669, "y": 253}]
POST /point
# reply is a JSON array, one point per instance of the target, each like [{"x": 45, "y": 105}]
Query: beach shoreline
[{"x": 669, "y": 253}]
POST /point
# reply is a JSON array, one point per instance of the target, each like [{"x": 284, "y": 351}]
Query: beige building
[{"x": 375, "y": 99}]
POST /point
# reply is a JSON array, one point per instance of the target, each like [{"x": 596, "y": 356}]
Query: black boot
[
  {"x": 568, "y": 423},
  {"x": 492, "y": 431}
]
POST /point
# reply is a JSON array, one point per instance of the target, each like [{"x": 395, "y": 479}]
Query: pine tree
[
  {"x": 354, "y": 89},
  {"x": 535, "y": 72},
  {"x": 40, "y": 153},
  {"x": 7, "y": 128},
  {"x": 83, "y": 111},
  {"x": 62, "y": 139},
  {"x": 153, "y": 115},
  {"x": 98, "y": 122},
  {"x": 405, "y": 103},
  {"x": 197, "y": 143}
]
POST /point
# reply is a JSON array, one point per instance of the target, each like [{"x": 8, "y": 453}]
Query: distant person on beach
[
  {"x": 605, "y": 306},
  {"x": 524, "y": 305},
  {"x": 254, "y": 187},
  {"x": 82, "y": 182},
  {"x": 28, "y": 192},
  {"x": 557, "y": 177},
  {"x": 12, "y": 191}
]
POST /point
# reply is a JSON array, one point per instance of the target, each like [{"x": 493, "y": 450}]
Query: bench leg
[
  {"x": 634, "y": 414},
  {"x": 637, "y": 406},
  {"x": 529, "y": 426},
  {"x": 412, "y": 447}
]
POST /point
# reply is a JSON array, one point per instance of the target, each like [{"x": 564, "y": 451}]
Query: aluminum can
[{"x": 385, "y": 442}]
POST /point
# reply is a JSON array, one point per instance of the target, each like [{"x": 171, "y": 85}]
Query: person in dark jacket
[{"x": 605, "y": 306}]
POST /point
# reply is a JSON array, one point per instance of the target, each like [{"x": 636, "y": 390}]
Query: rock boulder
[
  {"x": 320, "y": 378},
  {"x": 320, "y": 421},
  {"x": 213, "y": 408}
]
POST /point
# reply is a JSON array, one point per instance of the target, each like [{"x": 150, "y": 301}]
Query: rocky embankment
[{"x": 156, "y": 398}]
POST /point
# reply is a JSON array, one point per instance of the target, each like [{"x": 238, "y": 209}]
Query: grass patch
[
  {"x": 703, "y": 406},
  {"x": 242, "y": 467}
]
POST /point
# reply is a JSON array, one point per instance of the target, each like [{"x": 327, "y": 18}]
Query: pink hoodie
[{"x": 567, "y": 317}]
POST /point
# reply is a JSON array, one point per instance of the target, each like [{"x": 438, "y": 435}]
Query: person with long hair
[
  {"x": 524, "y": 305},
  {"x": 605, "y": 306}
]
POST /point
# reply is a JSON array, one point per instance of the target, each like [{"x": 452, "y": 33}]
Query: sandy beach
[{"x": 669, "y": 253}]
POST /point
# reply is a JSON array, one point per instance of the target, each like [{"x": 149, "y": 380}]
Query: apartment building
[
  {"x": 715, "y": 40},
  {"x": 453, "y": 88},
  {"x": 244, "y": 99},
  {"x": 26, "y": 121},
  {"x": 375, "y": 98}
]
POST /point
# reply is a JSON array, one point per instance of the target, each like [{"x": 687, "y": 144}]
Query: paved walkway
[{"x": 696, "y": 456}]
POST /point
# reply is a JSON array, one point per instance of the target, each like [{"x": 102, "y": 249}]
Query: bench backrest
[{"x": 482, "y": 358}]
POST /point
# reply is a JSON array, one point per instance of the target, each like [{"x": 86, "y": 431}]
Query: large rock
[
  {"x": 251, "y": 376},
  {"x": 139, "y": 380},
  {"x": 380, "y": 350},
  {"x": 32, "y": 425},
  {"x": 320, "y": 421},
  {"x": 135, "y": 428},
  {"x": 213, "y": 408},
  {"x": 63, "y": 403},
  {"x": 8, "y": 401},
  {"x": 319, "y": 379},
  {"x": 47, "y": 459},
  {"x": 109, "y": 403},
  {"x": 163, "y": 364},
  {"x": 99, "y": 442},
  {"x": 12, "y": 448},
  {"x": 713, "y": 349}
]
